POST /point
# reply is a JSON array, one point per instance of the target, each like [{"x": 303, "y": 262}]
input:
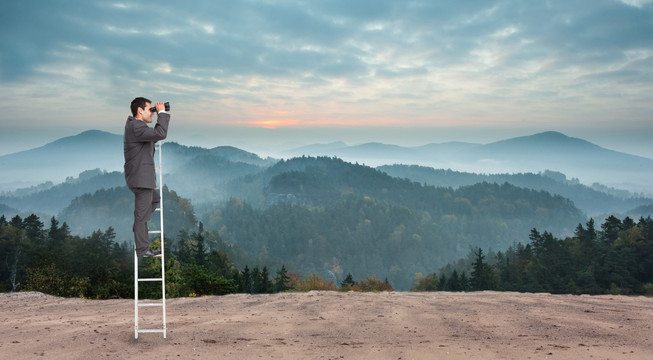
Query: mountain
[
  {"x": 566, "y": 152},
  {"x": 326, "y": 215},
  {"x": 95, "y": 149},
  {"x": 551, "y": 150},
  {"x": 52, "y": 199},
  {"x": 594, "y": 201},
  {"x": 4, "y": 209},
  {"x": 62, "y": 158},
  {"x": 196, "y": 172},
  {"x": 115, "y": 207},
  {"x": 209, "y": 175},
  {"x": 309, "y": 149}
]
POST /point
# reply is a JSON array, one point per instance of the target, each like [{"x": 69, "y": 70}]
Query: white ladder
[{"x": 162, "y": 279}]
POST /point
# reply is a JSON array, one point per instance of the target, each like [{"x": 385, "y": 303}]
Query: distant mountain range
[
  {"x": 94, "y": 149},
  {"x": 550, "y": 150},
  {"x": 62, "y": 158},
  {"x": 573, "y": 157}
]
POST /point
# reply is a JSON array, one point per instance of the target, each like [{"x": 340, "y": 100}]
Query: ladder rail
[{"x": 162, "y": 304}]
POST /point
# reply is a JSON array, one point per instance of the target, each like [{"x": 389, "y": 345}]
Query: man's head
[{"x": 141, "y": 109}]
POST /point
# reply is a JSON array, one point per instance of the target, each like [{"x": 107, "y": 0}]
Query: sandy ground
[{"x": 333, "y": 325}]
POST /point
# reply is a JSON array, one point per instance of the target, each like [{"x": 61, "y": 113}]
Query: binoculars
[{"x": 167, "y": 105}]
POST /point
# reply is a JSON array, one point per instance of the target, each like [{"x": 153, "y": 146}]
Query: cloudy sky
[{"x": 259, "y": 74}]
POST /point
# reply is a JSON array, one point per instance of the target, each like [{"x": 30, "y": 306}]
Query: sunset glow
[{"x": 274, "y": 123}]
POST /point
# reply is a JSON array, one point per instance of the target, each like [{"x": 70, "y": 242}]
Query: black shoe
[{"x": 150, "y": 253}]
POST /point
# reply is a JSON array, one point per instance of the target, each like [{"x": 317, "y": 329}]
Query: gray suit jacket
[{"x": 139, "y": 142}]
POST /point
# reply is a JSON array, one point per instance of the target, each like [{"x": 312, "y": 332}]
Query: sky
[{"x": 273, "y": 75}]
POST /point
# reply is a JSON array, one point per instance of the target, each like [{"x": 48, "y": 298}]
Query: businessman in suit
[{"x": 139, "y": 142}]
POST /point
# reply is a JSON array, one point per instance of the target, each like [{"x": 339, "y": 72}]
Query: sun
[{"x": 273, "y": 123}]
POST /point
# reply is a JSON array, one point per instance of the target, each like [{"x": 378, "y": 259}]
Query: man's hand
[{"x": 160, "y": 107}]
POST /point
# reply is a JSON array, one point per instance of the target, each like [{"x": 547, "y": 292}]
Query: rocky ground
[{"x": 333, "y": 325}]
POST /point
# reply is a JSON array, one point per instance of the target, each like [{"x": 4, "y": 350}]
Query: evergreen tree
[
  {"x": 53, "y": 233},
  {"x": 257, "y": 280},
  {"x": 185, "y": 251},
  {"x": 587, "y": 238},
  {"x": 282, "y": 281},
  {"x": 453, "y": 283},
  {"x": 442, "y": 283},
  {"x": 34, "y": 229},
  {"x": 16, "y": 222},
  {"x": 218, "y": 262},
  {"x": 265, "y": 285},
  {"x": 537, "y": 244},
  {"x": 478, "y": 275},
  {"x": 464, "y": 282},
  {"x": 245, "y": 285},
  {"x": 610, "y": 230},
  {"x": 348, "y": 282},
  {"x": 483, "y": 274},
  {"x": 200, "y": 248}
]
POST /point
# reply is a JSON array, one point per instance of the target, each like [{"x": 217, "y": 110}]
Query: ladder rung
[
  {"x": 151, "y": 330},
  {"x": 150, "y": 304},
  {"x": 150, "y": 279},
  {"x": 154, "y": 232},
  {"x": 160, "y": 255}
]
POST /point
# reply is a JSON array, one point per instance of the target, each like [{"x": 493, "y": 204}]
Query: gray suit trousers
[{"x": 145, "y": 202}]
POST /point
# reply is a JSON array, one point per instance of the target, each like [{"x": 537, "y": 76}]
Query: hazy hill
[
  {"x": 62, "y": 158},
  {"x": 210, "y": 175},
  {"x": 567, "y": 153},
  {"x": 4, "y": 209},
  {"x": 592, "y": 202},
  {"x": 321, "y": 214},
  {"x": 203, "y": 178},
  {"x": 94, "y": 149},
  {"x": 178, "y": 156},
  {"x": 55, "y": 197},
  {"x": 115, "y": 207},
  {"x": 574, "y": 157}
]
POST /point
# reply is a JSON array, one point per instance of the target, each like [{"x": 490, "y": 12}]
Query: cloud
[{"x": 344, "y": 60}]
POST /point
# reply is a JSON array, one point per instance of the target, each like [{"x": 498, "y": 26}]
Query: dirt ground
[{"x": 332, "y": 325}]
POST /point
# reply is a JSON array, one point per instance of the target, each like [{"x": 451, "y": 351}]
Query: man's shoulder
[{"x": 134, "y": 123}]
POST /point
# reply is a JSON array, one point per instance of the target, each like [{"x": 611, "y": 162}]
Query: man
[{"x": 139, "y": 142}]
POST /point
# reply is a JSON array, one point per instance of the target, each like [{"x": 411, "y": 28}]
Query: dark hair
[{"x": 139, "y": 102}]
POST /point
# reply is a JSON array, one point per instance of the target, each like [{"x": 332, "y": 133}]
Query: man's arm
[{"x": 159, "y": 132}]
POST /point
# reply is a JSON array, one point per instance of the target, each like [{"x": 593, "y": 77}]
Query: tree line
[
  {"x": 51, "y": 260},
  {"x": 615, "y": 259}
]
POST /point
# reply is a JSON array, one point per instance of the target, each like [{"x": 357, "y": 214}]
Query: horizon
[
  {"x": 637, "y": 144},
  {"x": 283, "y": 73}
]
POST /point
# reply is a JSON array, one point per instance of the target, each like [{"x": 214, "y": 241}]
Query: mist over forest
[{"x": 326, "y": 210}]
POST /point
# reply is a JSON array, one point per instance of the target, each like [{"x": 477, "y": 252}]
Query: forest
[
  {"x": 617, "y": 259},
  {"x": 52, "y": 261}
]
